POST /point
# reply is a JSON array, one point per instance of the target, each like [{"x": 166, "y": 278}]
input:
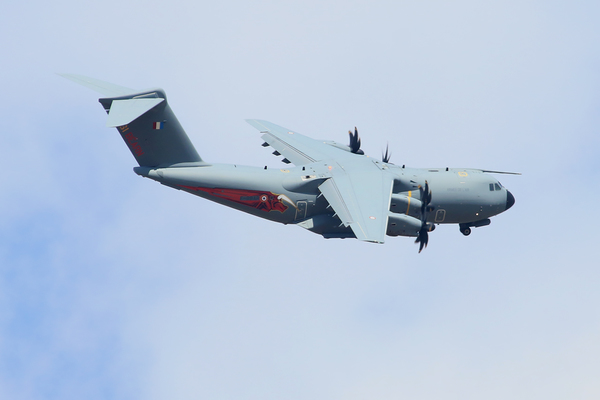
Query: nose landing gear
[{"x": 465, "y": 229}]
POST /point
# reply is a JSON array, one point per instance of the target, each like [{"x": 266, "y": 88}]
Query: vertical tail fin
[
  {"x": 150, "y": 129},
  {"x": 146, "y": 124}
]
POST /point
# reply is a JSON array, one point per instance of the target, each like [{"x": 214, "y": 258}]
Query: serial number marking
[{"x": 131, "y": 140}]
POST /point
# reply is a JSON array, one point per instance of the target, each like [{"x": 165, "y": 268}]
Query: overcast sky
[{"x": 115, "y": 287}]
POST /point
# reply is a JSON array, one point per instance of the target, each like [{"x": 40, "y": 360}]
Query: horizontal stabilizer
[
  {"x": 123, "y": 112},
  {"x": 104, "y": 88}
]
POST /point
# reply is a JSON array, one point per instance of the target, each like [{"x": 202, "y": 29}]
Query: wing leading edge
[{"x": 297, "y": 148}]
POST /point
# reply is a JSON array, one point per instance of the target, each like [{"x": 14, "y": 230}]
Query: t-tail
[{"x": 146, "y": 124}]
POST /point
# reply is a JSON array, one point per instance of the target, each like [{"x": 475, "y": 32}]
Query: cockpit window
[
  {"x": 497, "y": 186},
  {"x": 491, "y": 187}
]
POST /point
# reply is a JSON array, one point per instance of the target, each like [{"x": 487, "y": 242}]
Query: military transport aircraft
[{"x": 333, "y": 190}]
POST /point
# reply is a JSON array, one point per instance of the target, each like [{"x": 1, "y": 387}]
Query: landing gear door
[{"x": 301, "y": 210}]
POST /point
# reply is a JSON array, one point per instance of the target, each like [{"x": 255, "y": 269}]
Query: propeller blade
[
  {"x": 425, "y": 195},
  {"x": 423, "y": 236},
  {"x": 355, "y": 142},
  {"x": 386, "y": 157}
]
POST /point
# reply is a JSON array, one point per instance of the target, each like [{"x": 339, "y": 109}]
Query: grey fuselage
[{"x": 291, "y": 196}]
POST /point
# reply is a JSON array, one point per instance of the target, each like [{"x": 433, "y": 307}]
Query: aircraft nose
[{"x": 510, "y": 200}]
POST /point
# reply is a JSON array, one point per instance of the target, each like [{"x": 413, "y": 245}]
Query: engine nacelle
[
  {"x": 406, "y": 203},
  {"x": 403, "y": 225}
]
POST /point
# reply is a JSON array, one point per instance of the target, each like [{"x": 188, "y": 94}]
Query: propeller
[
  {"x": 386, "y": 157},
  {"x": 355, "y": 142},
  {"x": 423, "y": 236}
]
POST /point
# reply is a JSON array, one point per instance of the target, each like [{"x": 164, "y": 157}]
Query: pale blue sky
[{"x": 112, "y": 286}]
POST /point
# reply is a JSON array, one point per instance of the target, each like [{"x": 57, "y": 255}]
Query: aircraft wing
[
  {"x": 361, "y": 199},
  {"x": 357, "y": 188},
  {"x": 297, "y": 148}
]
